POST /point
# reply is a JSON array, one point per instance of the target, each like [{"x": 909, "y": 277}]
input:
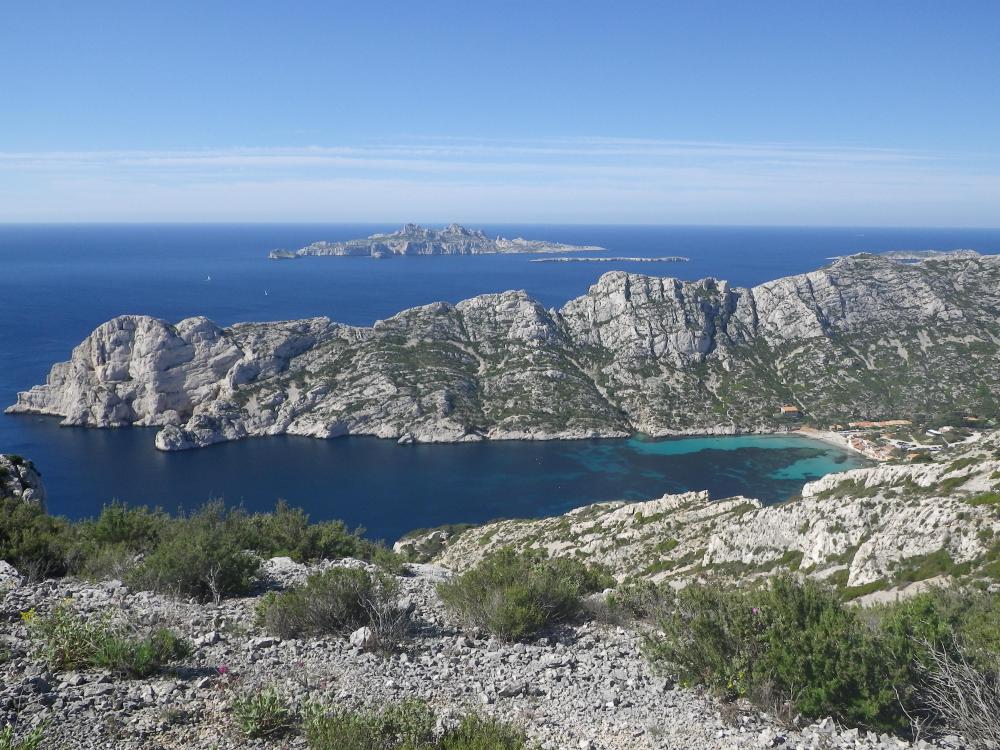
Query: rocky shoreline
[{"x": 637, "y": 353}]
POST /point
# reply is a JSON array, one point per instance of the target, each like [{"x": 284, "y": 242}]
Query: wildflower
[
  {"x": 222, "y": 669},
  {"x": 756, "y": 610}
]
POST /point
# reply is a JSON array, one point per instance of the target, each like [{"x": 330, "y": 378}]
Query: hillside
[{"x": 866, "y": 337}]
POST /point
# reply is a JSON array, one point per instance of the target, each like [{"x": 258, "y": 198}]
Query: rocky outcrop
[
  {"x": 412, "y": 239},
  {"x": 19, "y": 479},
  {"x": 864, "y": 338},
  {"x": 877, "y": 527}
]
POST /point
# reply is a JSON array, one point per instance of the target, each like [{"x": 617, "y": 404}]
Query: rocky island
[
  {"x": 661, "y": 259},
  {"x": 866, "y": 337},
  {"x": 412, "y": 239}
]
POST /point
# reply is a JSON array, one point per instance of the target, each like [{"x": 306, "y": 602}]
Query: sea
[{"x": 58, "y": 282}]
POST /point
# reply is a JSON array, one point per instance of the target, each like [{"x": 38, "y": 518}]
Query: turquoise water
[{"x": 390, "y": 489}]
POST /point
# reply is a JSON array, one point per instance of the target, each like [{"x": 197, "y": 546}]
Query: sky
[{"x": 704, "y": 112}]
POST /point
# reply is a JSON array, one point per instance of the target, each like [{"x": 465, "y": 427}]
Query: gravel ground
[{"x": 582, "y": 687}]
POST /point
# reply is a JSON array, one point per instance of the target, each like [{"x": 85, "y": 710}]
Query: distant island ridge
[
  {"x": 618, "y": 259},
  {"x": 413, "y": 239}
]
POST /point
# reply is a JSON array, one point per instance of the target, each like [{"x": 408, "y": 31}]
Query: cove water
[{"x": 59, "y": 282}]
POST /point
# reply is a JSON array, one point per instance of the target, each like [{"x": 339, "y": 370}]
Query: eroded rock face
[
  {"x": 19, "y": 479},
  {"x": 866, "y": 337},
  {"x": 858, "y": 528}
]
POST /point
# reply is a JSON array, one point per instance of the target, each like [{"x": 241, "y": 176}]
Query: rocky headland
[
  {"x": 863, "y": 338},
  {"x": 412, "y": 239}
]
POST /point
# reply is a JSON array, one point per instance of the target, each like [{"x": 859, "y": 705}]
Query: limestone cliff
[{"x": 864, "y": 338}]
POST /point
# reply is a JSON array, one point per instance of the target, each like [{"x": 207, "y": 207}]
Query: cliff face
[
  {"x": 866, "y": 337},
  {"x": 878, "y": 528},
  {"x": 416, "y": 240},
  {"x": 20, "y": 480}
]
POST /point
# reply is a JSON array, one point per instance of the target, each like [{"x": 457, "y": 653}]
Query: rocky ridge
[
  {"x": 865, "y": 337},
  {"x": 20, "y": 480},
  {"x": 412, "y": 239},
  {"x": 865, "y": 529}
]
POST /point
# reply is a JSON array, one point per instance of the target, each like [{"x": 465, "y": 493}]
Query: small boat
[
  {"x": 265, "y": 292},
  {"x": 208, "y": 278}
]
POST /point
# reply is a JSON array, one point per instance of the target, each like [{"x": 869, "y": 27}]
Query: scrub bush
[
  {"x": 517, "y": 595},
  {"x": 406, "y": 726},
  {"x": 66, "y": 640},
  {"x": 337, "y": 600},
  {"x": 797, "y": 643}
]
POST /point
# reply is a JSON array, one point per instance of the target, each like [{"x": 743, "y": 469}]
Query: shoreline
[{"x": 832, "y": 438}]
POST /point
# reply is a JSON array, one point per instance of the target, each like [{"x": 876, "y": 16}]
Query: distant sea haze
[{"x": 59, "y": 282}]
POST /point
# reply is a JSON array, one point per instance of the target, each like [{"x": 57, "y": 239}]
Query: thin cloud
[{"x": 547, "y": 179}]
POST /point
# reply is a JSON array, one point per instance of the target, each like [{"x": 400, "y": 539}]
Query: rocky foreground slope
[
  {"x": 412, "y": 239},
  {"x": 581, "y": 686},
  {"x": 866, "y": 337},
  {"x": 864, "y": 530},
  {"x": 584, "y": 687}
]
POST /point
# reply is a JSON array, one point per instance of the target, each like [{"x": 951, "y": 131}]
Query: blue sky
[{"x": 709, "y": 112}]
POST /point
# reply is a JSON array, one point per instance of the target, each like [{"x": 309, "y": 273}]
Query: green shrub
[
  {"x": 66, "y": 640},
  {"x": 261, "y": 713},
  {"x": 141, "y": 657},
  {"x": 200, "y": 555},
  {"x": 288, "y": 532},
  {"x": 35, "y": 543},
  {"x": 517, "y": 595},
  {"x": 406, "y": 726},
  {"x": 31, "y": 740},
  {"x": 638, "y": 599},
  {"x": 477, "y": 733},
  {"x": 207, "y": 553},
  {"x": 137, "y": 527},
  {"x": 337, "y": 600},
  {"x": 799, "y": 641}
]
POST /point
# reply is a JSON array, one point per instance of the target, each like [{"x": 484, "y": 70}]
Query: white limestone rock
[
  {"x": 636, "y": 353},
  {"x": 19, "y": 479}
]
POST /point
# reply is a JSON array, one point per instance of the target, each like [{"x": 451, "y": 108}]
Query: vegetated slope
[
  {"x": 866, "y": 337},
  {"x": 862, "y": 530}
]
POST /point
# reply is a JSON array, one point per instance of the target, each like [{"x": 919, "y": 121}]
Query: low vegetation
[
  {"x": 66, "y": 640},
  {"x": 30, "y": 740},
  {"x": 209, "y": 553},
  {"x": 337, "y": 601},
  {"x": 515, "y": 595},
  {"x": 261, "y": 713},
  {"x": 410, "y": 725},
  {"x": 795, "y": 647}
]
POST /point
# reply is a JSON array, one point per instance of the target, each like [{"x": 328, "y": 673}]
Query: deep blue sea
[{"x": 58, "y": 282}]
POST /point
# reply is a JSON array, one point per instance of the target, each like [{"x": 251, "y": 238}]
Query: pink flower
[
  {"x": 756, "y": 610},
  {"x": 222, "y": 669}
]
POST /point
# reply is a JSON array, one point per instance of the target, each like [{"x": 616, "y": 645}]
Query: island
[
  {"x": 661, "y": 259},
  {"x": 864, "y": 338},
  {"x": 413, "y": 239}
]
